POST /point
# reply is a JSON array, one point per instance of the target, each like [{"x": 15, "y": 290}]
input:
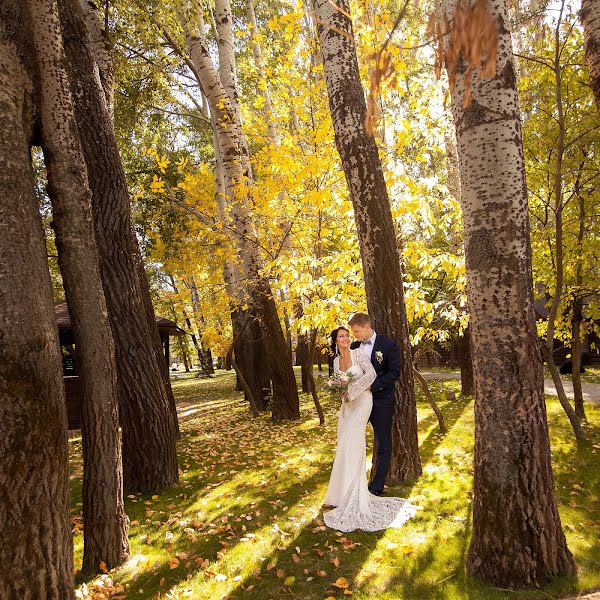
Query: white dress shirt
[{"x": 368, "y": 348}]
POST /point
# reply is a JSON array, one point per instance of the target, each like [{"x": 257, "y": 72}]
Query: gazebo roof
[{"x": 63, "y": 320}]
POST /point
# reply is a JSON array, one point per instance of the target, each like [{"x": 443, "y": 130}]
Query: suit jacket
[{"x": 385, "y": 359}]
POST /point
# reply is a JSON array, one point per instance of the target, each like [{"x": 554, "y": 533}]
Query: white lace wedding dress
[{"x": 355, "y": 507}]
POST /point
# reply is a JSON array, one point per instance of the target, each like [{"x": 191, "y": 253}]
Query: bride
[{"x": 354, "y": 506}]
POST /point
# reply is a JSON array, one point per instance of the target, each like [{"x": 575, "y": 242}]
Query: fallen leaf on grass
[{"x": 341, "y": 582}]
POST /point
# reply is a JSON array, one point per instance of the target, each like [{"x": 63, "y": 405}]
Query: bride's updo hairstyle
[{"x": 333, "y": 345}]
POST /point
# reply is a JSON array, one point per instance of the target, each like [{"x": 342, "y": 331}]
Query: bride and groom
[{"x": 373, "y": 364}]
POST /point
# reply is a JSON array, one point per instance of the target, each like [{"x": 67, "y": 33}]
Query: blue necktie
[{"x": 367, "y": 342}]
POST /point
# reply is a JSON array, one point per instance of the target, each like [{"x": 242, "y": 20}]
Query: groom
[{"x": 385, "y": 357}]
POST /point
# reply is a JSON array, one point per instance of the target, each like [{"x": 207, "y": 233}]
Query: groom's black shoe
[{"x": 376, "y": 492}]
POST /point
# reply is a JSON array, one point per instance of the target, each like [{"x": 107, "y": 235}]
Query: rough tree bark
[
  {"x": 235, "y": 163},
  {"x": 466, "y": 364},
  {"x": 36, "y": 553},
  {"x": 249, "y": 344},
  {"x": 517, "y": 538},
  {"x": 106, "y": 525},
  {"x": 376, "y": 235},
  {"x": 204, "y": 355},
  {"x": 146, "y": 403},
  {"x": 590, "y": 19}
]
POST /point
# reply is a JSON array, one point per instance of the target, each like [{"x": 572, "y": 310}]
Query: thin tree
[
  {"x": 558, "y": 209},
  {"x": 36, "y": 553},
  {"x": 517, "y": 537},
  {"x": 146, "y": 403},
  {"x": 376, "y": 234}
]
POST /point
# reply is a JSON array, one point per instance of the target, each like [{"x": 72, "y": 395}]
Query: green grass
[
  {"x": 592, "y": 374},
  {"x": 246, "y": 516}
]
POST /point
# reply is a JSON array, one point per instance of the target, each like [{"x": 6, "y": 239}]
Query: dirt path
[{"x": 591, "y": 391}]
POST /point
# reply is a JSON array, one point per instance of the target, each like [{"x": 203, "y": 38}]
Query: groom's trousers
[{"x": 381, "y": 419}]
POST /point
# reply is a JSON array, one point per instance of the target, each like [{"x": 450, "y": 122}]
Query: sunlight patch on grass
[{"x": 246, "y": 520}]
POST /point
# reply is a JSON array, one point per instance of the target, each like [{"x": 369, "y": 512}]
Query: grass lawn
[{"x": 245, "y": 520}]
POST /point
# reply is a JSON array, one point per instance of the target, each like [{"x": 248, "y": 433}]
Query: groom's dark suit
[{"x": 385, "y": 358}]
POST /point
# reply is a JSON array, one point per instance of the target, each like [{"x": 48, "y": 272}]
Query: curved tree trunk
[
  {"x": 147, "y": 407},
  {"x": 36, "y": 553},
  {"x": 590, "y": 19},
  {"x": 106, "y": 525},
  {"x": 517, "y": 538},
  {"x": 376, "y": 234},
  {"x": 436, "y": 409}
]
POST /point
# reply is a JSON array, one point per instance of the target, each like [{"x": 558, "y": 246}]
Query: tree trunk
[
  {"x": 311, "y": 379},
  {"x": 576, "y": 358},
  {"x": 517, "y": 538},
  {"x": 248, "y": 354},
  {"x": 466, "y": 365},
  {"x": 376, "y": 235},
  {"x": 590, "y": 19},
  {"x": 36, "y": 553},
  {"x": 106, "y": 525},
  {"x": 438, "y": 413},
  {"x": 147, "y": 407},
  {"x": 302, "y": 359},
  {"x": 234, "y": 161},
  {"x": 577, "y": 317},
  {"x": 302, "y": 352},
  {"x": 206, "y": 366},
  {"x": 101, "y": 49}
]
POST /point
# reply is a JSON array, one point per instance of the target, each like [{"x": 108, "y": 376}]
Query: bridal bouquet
[{"x": 338, "y": 382}]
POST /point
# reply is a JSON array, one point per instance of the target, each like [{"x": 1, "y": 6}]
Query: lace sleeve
[{"x": 364, "y": 381}]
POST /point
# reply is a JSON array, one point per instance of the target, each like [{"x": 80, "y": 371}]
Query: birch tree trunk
[
  {"x": 146, "y": 402},
  {"x": 376, "y": 234},
  {"x": 517, "y": 538},
  {"x": 249, "y": 346},
  {"x": 235, "y": 165},
  {"x": 590, "y": 19},
  {"x": 36, "y": 553},
  {"x": 106, "y": 525}
]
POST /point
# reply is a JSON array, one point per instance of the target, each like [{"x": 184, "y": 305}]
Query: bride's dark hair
[{"x": 333, "y": 344}]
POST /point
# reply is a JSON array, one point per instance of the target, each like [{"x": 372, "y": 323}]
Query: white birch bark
[
  {"x": 590, "y": 19},
  {"x": 236, "y": 169},
  {"x": 517, "y": 538}
]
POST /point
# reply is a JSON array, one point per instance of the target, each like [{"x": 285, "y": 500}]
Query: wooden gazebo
[{"x": 166, "y": 328}]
